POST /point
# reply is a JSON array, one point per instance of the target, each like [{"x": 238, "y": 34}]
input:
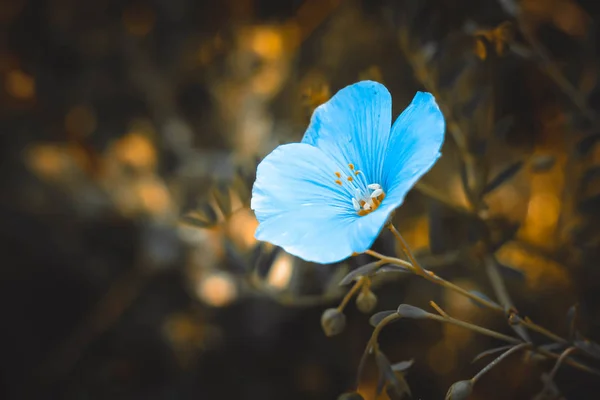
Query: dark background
[{"x": 130, "y": 131}]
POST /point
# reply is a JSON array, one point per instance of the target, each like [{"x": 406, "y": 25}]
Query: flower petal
[
  {"x": 301, "y": 209},
  {"x": 354, "y": 127},
  {"x": 414, "y": 146}
]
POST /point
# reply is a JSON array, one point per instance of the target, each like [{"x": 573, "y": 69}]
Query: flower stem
[
  {"x": 373, "y": 343},
  {"x": 476, "y": 328},
  {"x": 497, "y": 360},
  {"x": 417, "y": 269},
  {"x": 391, "y": 260},
  {"x": 359, "y": 283},
  {"x": 430, "y": 276},
  {"x": 515, "y": 341},
  {"x": 560, "y": 360},
  {"x": 526, "y": 322}
]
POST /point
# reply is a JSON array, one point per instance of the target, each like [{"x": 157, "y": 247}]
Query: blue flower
[{"x": 330, "y": 196}]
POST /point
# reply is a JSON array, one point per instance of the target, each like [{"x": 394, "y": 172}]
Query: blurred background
[{"x": 130, "y": 132}]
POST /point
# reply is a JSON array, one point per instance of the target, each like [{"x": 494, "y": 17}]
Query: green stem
[
  {"x": 359, "y": 283},
  {"x": 497, "y": 360},
  {"x": 372, "y": 343},
  {"x": 526, "y": 322},
  {"x": 476, "y": 328},
  {"x": 430, "y": 276}
]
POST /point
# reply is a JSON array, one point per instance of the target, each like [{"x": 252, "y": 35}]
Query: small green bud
[
  {"x": 461, "y": 390},
  {"x": 366, "y": 301},
  {"x": 333, "y": 321},
  {"x": 350, "y": 396}
]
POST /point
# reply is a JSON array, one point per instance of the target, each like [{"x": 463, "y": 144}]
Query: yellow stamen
[
  {"x": 375, "y": 203},
  {"x": 356, "y": 172},
  {"x": 338, "y": 174},
  {"x": 350, "y": 179},
  {"x": 351, "y": 166},
  {"x": 338, "y": 182}
]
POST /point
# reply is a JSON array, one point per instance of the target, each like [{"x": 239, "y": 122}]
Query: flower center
[{"x": 366, "y": 197}]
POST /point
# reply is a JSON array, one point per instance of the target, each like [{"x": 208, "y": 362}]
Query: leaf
[
  {"x": 222, "y": 196},
  {"x": 542, "y": 163},
  {"x": 478, "y": 100},
  {"x": 364, "y": 270},
  {"x": 234, "y": 257},
  {"x": 263, "y": 257},
  {"x": 409, "y": 311},
  {"x": 586, "y": 144},
  {"x": 399, "y": 391},
  {"x": 510, "y": 272},
  {"x": 460, "y": 390},
  {"x": 503, "y": 126},
  {"x": 203, "y": 217},
  {"x": 402, "y": 366},
  {"x": 400, "y": 388},
  {"x": 242, "y": 189},
  {"x": 464, "y": 179},
  {"x": 481, "y": 296},
  {"x": 502, "y": 177},
  {"x": 552, "y": 346},
  {"x": 380, "y": 316},
  {"x": 588, "y": 347},
  {"x": 521, "y": 331},
  {"x": 490, "y": 352},
  {"x": 392, "y": 268},
  {"x": 381, "y": 361},
  {"x": 507, "y": 233}
]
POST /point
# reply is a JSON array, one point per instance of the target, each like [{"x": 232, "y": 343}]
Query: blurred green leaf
[
  {"x": 397, "y": 383},
  {"x": 542, "y": 163},
  {"x": 482, "y": 296},
  {"x": 380, "y": 316},
  {"x": 364, "y": 270},
  {"x": 203, "y": 217},
  {"x": 392, "y": 268},
  {"x": 510, "y": 272},
  {"x": 502, "y": 177},
  {"x": 221, "y": 194},
  {"x": 588, "y": 347},
  {"x": 402, "y": 366},
  {"x": 409, "y": 311}
]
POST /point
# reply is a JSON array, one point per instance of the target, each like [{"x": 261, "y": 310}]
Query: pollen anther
[
  {"x": 368, "y": 200},
  {"x": 338, "y": 174},
  {"x": 338, "y": 182}
]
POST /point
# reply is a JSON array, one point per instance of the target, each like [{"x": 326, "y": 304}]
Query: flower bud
[
  {"x": 461, "y": 390},
  {"x": 333, "y": 321},
  {"x": 350, "y": 396},
  {"x": 366, "y": 301}
]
